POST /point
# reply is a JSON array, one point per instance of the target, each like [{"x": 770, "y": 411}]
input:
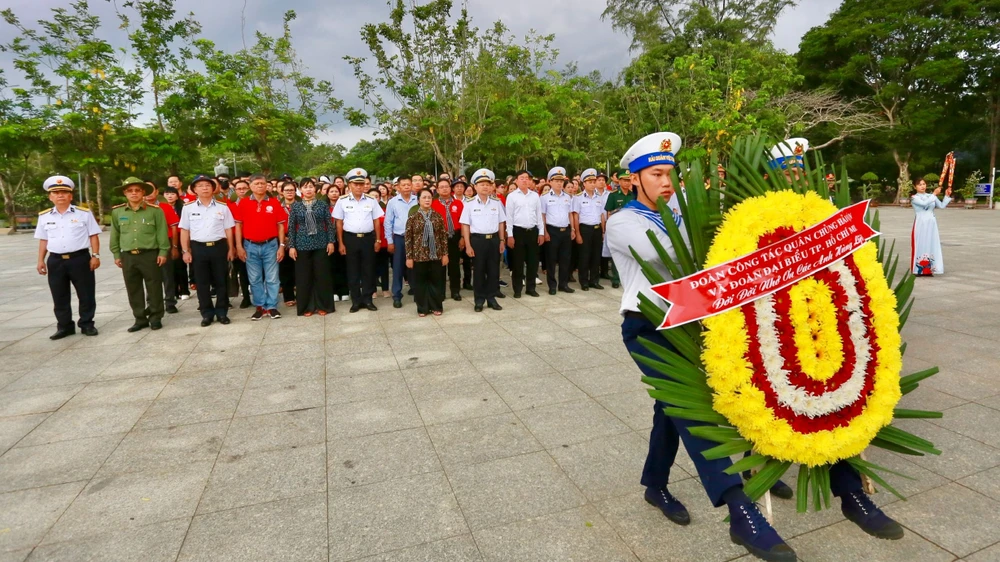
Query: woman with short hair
[
  {"x": 426, "y": 255},
  {"x": 311, "y": 240}
]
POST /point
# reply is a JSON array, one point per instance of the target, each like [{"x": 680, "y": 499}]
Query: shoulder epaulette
[
  {"x": 469, "y": 199},
  {"x": 119, "y": 206},
  {"x": 83, "y": 207},
  {"x": 40, "y": 213},
  {"x": 368, "y": 196},
  {"x": 186, "y": 203},
  {"x": 494, "y": 197}
]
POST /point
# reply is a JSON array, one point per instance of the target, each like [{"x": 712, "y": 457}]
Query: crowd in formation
[{"x": 313, "y": 242}]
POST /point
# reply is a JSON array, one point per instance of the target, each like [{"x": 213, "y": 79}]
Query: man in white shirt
[
  {"x": 357, "y": 217},
  {"x": 525, "y": 233},
  {"x": 588, "y": 220},
  {"x": 207, "y": 242},
  {"x": 559, "y": 235}
]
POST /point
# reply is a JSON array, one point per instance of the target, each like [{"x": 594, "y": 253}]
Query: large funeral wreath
[{"x": 807, "y": 375}]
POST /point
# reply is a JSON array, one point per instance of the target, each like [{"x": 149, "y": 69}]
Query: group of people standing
[{"x": 314, "y": 242}]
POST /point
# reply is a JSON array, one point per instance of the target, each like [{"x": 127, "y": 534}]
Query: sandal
[
  {"x": 307, "y": 314},
  {"x": 322, "y": 313},
  {"x": 437, "y": 313},
  {"x": 289, "y": 303},
  {"x": 422, "y": 315}
]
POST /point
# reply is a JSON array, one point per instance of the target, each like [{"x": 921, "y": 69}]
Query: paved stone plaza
[{"x": 516, "y": 435}]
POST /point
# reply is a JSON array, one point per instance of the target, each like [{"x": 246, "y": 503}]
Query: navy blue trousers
[{"x": 667, "y": 432}]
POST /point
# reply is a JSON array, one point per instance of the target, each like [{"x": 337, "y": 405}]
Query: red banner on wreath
[{"x": 767, "y": 270}]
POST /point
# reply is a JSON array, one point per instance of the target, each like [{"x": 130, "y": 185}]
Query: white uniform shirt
[
  {"x": 66, "y": 232},
  {"x": 483, "y": 218},
  {"x": 358, "y": 215},
  {"x": 556, "y": 208},
  {"x": 627, "y": 228},
  {"x": 589, "y": 208},
  {"x": 524, "y": 210},
  {"x": 206, "y": 223}
]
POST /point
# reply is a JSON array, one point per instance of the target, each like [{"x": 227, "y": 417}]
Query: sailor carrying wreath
[{"x": 785, "y": 309}]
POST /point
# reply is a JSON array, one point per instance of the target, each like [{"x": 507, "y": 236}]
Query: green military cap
[{"x": 130, "y": 181}]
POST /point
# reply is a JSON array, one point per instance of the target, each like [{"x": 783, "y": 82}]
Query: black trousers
[
  {"x": 169, "y": 282},
  {"x": 428, "y": 286},
  {"x": 211, "y": 268},
  {"x": 382, "y": 278},
  {"x": 524, "y": 255},
  {"x": 180, "y": 277},
  {"x": 239, "y": 282},
  {"x": 454, "y": 265},
  {"x": 338, "y": 269},
  {"x": 360, "y": 260},
  {"x": 466, "y": 269},
  {"x": 72, "y": 270},
  {"x": 485, "y": 266},
  {"x": 558, "y": 252},
  {"x": 313, "y": 282},
  {"x": 590, "y": 254},
  {"x": 286, "y": 277}
]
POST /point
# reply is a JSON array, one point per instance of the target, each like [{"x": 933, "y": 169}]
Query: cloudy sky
[{"x": 327, "y": 31}]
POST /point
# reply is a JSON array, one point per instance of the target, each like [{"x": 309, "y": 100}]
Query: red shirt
[
  {"x": 172, "y": 219},
  {"x": 260, "y": 219},
  {"x": 455, "y": 209},
  {"x": 188, "y": 197}
]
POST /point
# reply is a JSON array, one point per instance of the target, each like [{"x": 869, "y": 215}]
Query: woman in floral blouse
[
  {"x": 311, "y": 239},
  {"x": 426, "y": 255}
]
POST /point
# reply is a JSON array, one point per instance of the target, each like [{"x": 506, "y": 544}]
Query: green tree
[
  {"x": 440, "y": 79},
  {"x": 258, "y": 100},
  {"x": 903, "y": 55}
]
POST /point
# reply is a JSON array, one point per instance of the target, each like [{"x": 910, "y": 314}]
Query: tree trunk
[
  {"x": 903, "y": 162},
  {"x": 99, "y": 211},
  {"x": 994, "y": 133},
  {"x": 8, "y": 205}
]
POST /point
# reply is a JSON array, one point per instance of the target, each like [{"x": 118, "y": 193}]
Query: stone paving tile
[
  {"x": 653, "y": 538},
  {"x": 952, "y": 517},
  {"x": 36, "y": 400},
  {"x": 280, "y": 430},
  {"x": 27, "y": 515},
  {"x": 77, "y": 423},
  {"x": 482, "y": 439},
  {"x": 991, "y": 554},
  {"x": 197, "y": 408},
  {"x": 852, "y": 545},
  {"x": 961, "y": 456},
  {"x": 511, "y": 489},
  {"x": 159, "y": 542},
  {"x": 975, "y": 421},
  {"x": 358, "y": 461},
  {"x": 54, "y": 463},
  {"x": 188, "y": 384},
  {"x": 290, "y": 529},
  {"x": 392, "y": 515},
  {"x": 15, "y": 555},
  {"x": 634, "y": 408},
  {"x": 175, "y": 446},
  {"x": 128, "y": 501},
  {"x": 605, "y": 379},
  {"x": 576, "y": 534},
  {"x": 456, "y": 549},
  {"x": 373, "y": 416},
  {"x": 521, "y": 365},
  {"x": 360, "y": 364},
  {"x": 239, "y": 480},
  {"x": 358, "y": 388},
  {"x": 13, "y": 429},
  {"x": 571, "y": 422},
  {"x": 533, "y": 391},
  {"x": 109, "y": 393},
  {"x": 597, "y": 466},
  {"x": 986, "y": 482}
]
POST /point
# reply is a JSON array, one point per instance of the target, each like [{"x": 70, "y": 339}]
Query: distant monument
[{"x": 221, "y": 169}]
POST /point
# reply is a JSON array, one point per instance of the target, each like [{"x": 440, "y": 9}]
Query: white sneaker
[
  {"x": 185, "y": 297},
  {"x": 538, "y": 281},
  {"x": 336, "y": 298},
  {"x": 345, "y": 297}
]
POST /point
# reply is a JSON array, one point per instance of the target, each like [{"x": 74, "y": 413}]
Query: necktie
[{"x": 447, "y": 215}]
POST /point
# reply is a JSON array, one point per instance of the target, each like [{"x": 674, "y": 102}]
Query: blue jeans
[
  {"x": 262, "y": 272},
  {"x": 398, "y": 266}
]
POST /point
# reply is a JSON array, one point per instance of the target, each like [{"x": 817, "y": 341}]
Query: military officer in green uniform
[
  {"x": 140, "y": 245},
  {"x": 615, "y": 201}
]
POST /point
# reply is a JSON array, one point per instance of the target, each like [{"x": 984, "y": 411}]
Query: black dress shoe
[
  {"x": 171, "y": 309},
  {"x": 62, "y": 334},
  {"x": 456, "y": 296},
  {"x": 494, "y": 305},
  {"x": 597, "y": 286},
  {"x": 517, "y": 294},
  {"x": 478, "y": 308},
  {"x": 615, "y": 285},
  {"x": 371, "y": 306},
  {"x": 552, "y": 291},
  {"x": 138, "y": 326},
  {"x": 224, "y": 320},
  {"x": 531, "y": 293},
  {"x": 397, "y": 303},
  {"x": 467, "y": 287},
  {"x": 567, "y": 289},
  {"x": 584, "y": 287},
  {"x": 90, "y": 331},
  {"x": 245, "y": 303},
  {"x": 501, "y": 295},
  {"x": 206, "y": 322},
  {"x": 155, "y": 325},
  {"x": 410, "y": 292},
  {"x": 355, "y": 308}
]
